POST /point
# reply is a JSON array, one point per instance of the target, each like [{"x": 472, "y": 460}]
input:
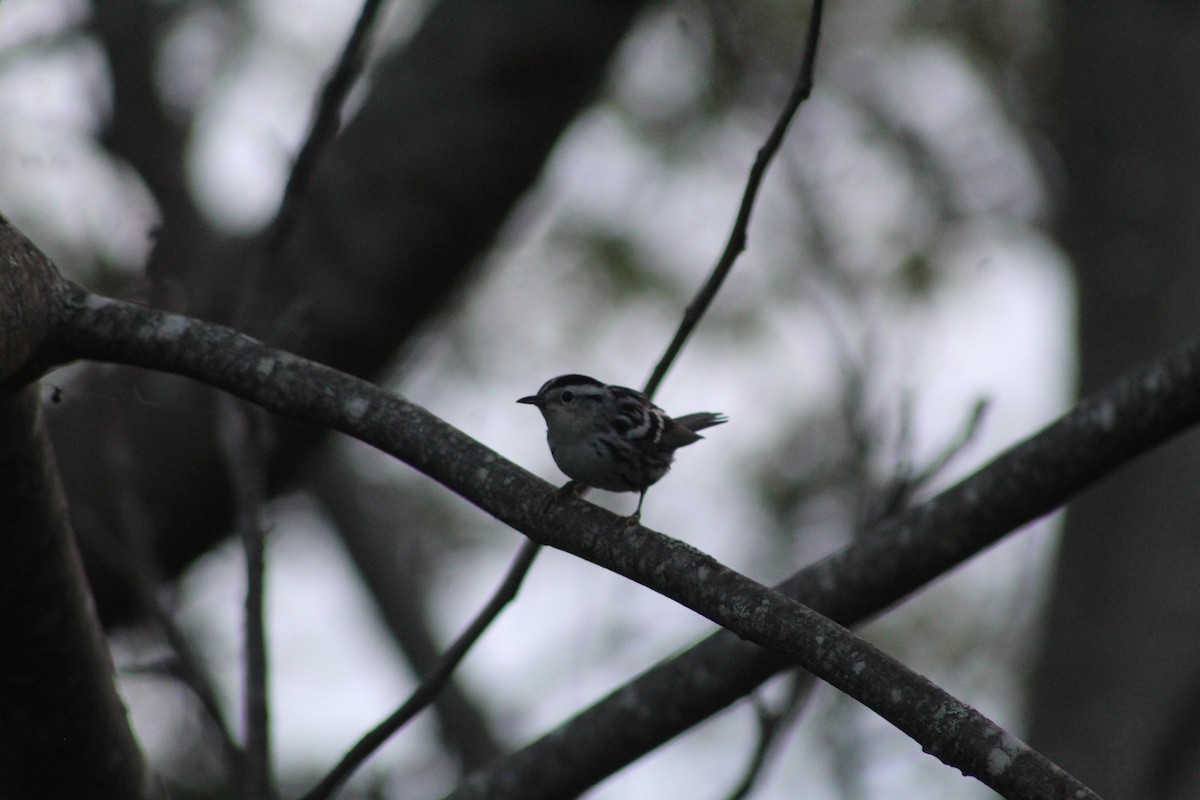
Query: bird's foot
[{"x": 570, "y": 488}]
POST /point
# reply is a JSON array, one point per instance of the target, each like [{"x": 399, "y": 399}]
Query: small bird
[{"x": 610, "y": 437}]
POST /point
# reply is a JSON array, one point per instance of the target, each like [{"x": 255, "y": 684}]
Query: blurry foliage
[
  {"x": 1009, "y": 37},
  {"x": 748, "y": 53},
  {"x": 614, "y": 263},
  {"x": 917, "y": 276}
]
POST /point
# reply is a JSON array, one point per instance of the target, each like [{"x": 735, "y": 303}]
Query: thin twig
[
  {"x": 436, "y": 679},
  {"x": 239, "y": 434},
  {"x": 366, "y": 518},
  {"x": 524, "y": 561},
  {"x": 324, "y": 127},
  {"x": 772, "y": 724},
  {"x": 966, "y": 434},
  {"x": 131, "y": 558},
  {"x": 699, "y": 305},
  {"x": 898, "y": 490},
  {"x": 323, "y": 130},
  {"x": 248, "y": 478},
  {"x": 741, "y": 225}
]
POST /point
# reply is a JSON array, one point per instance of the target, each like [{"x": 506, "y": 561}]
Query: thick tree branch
[
  {"x": 30, "y": 287},
  {"x": 901, "y": 554},
  {"x": 399, "y": 208},
  {"x": 63, "y": 730},
  {"x": 97, "y": 328}
]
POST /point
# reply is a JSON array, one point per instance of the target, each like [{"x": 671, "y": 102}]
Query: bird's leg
[{"x": 633, "y": 519}]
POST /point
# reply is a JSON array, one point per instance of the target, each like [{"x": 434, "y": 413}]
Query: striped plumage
[{"x": 611, "y": 437}]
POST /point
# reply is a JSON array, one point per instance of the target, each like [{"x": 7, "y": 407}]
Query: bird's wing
[{"x": 676, "y": 433}]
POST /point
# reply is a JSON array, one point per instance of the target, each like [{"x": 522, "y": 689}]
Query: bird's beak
[{"x": 532, "y": 400}]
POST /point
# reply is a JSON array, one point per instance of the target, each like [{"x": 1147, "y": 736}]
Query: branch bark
[
  {"x": 1105, "y": 431},
  {"x": 63, "y": 730},
  {"x": 399, "y": 211},
  {"x": 102, "y": 329}
]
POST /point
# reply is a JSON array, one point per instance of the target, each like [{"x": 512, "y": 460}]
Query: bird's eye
[{"x": 568, "y": 396}]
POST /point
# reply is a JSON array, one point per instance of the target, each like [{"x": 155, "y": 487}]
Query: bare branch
[
  {"x": 323, "y": 128},
  {"x": 97, "y": 328},
  {"x": 741, "y": 225},
  {"x": 264, "y": 261},
  {"x": 521, "y": 566},
  {"x": 965, "y": 435},
  {"x": 63, "y": 729},
  {"x": 772, "y": 724},
  {"x": 899, "y": 555},
  {"x": 389, "y": 544},
  {"x": 129, "y": 554},
  {"x": 241, "y": 442},
  {"x": 437, "y": 678}
]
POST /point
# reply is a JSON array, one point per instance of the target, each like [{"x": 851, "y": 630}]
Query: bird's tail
[{"x": 701, "y": 420}]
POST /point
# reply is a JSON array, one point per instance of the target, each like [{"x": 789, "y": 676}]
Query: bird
[{"x": 612, "y": 437}]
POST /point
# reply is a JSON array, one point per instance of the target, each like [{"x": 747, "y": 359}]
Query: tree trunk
[{"x": 1116, "y": 694}]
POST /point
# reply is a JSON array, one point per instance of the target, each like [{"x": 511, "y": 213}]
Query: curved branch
[
  {"x": 98, "y": 328},
  {"x": 63, "y": 729},
  {"x": 398, "y": 210},
  {"x": 1103, "y": 432}
]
